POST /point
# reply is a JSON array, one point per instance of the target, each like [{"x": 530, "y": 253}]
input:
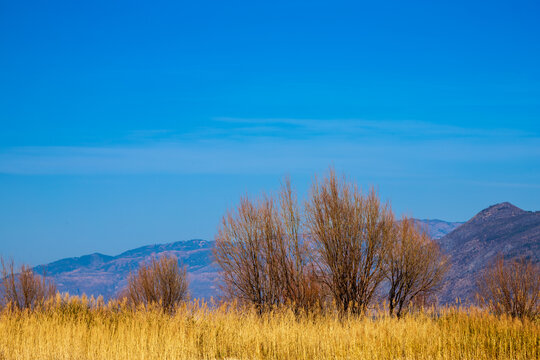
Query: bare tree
[
  {"x": 351, "y": 232},
  {"x": 511, "y": 287},
  {"x": 239, "y": 252},
  {"x": 24, "y": 289},
  {"x": 298, "y": 276},
  {"x": 263, "y": 255},
  {"x": 162, "y": 281},
  {"x": 414, "y": 266}
]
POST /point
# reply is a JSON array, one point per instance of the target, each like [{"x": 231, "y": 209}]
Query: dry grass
[{"x": 75, "y": 328}]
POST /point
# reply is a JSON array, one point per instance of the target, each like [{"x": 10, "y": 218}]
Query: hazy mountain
[
  {"x": 437, "y": 228},
  {"x": 99, "y": 274},
  {"x": 501, "y": 228}
]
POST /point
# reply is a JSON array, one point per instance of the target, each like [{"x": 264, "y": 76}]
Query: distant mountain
[
  {"x": 437, "y": 228},
  {"x": 99, "y": 274},
  {"x": 501, "y": 228}
]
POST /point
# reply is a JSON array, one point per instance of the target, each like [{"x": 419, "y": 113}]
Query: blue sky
[{"x": 129, "y": 123}]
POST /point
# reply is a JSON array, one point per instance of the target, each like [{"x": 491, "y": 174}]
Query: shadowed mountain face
[
  {"x": 99, "y": 274},
  {"x": 501, "y": 228}
]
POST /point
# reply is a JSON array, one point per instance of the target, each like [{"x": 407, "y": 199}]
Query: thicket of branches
[
  {"x": 23, "y": 289},
  {"x": 511, "y": 287},
  {"x": 340, "y": 246},
  {"x": 414, "y": 266},
  {"x": 351, "y": 233},
  {"x": 264, "y": 256},
  {"x": 162, "y": 281}
]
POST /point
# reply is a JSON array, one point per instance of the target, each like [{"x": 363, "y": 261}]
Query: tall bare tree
[
  {"x": 263, "y": 255},
  {"x": 298, "y": 276},
  {"x": 162, "y": 281},
  {"x": 24, "y": 289},
  {"x": 351, "y": 232},
  {"x": 239, "y": 252},
  {"x": 511, "y": 287},
  {"x": 414, "y": 266}
]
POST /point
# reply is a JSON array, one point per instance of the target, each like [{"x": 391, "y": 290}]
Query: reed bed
[{"x": 79, "y": 328}]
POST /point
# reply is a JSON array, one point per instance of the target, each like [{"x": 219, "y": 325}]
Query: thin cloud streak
[
  {"x": 359, "y": 127},
  {"x": 389, "y": 149},
  {"x": 382, "y": 157}
]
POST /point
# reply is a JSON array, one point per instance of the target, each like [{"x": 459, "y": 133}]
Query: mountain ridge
[
  {"x": 500, "y": 228},
  {"x": 437, "y": 228},
  {"x": 99, "y": 274}
]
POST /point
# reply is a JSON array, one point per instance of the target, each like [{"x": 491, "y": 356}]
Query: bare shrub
[
  {"x": 511, "y": 287},
  {"x": 24, "y": 289},
  {"x": 239, "y": 252},
  {"x": 351, "y": 232},
  {"x": 414, "y": 266},
  {"x": 263, "y": 256},
  {"x": 162, "y": 281}
]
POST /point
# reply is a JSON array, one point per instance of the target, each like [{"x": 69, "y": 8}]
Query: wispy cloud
[
  {"x": 359, "y": 127},
  {"x": 392, "y": 149}
]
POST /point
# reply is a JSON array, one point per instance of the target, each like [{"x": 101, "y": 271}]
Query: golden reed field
[{"x": 79, "y": 328}]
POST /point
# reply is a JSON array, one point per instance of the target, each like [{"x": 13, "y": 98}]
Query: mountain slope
[
  {"x": 99, "y": 274},
  {"x": 437, "y": 228},
  {"x": 502, "y": 228}
]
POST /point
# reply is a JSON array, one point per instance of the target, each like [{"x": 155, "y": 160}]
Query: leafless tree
[
  {"x": 511, "y": 287},
  {"x": 414, "y": 266},
  {"x": 297, "y": 272},
  {"x": 24, "y": 289},
  {"x": 351, "y": 232},
  {"x": 239, "y": 252},
  {"x": 162, "y": 281},
  {"x": 263, "y": 255}
]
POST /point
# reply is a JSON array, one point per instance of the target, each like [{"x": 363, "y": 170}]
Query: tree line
[
  {"x": 346, "y": 247},
  {"x": 340, "y": 247}
]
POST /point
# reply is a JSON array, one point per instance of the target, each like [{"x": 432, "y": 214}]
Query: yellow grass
[{"x": 75, "y": 328}]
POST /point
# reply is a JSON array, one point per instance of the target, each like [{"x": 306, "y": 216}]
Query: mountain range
[
  {"x": 501, "y": 228},
  {"x": 99, "y": 274}
]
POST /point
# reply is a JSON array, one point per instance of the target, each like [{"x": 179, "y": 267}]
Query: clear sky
[{"x": 126, "y": 123}]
